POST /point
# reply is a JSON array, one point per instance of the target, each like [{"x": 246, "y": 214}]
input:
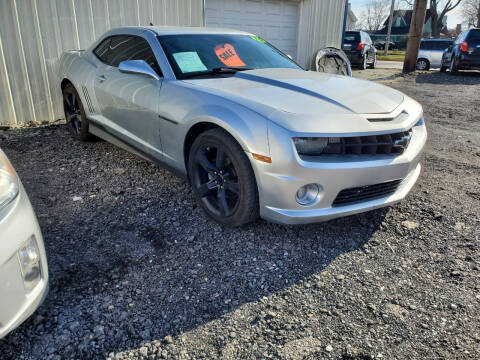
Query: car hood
[{"x": 306, "y": 92}]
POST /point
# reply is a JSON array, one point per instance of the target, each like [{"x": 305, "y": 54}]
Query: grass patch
[{"x": 393, "y": 55}]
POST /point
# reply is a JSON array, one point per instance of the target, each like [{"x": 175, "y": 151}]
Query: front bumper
[
  {"x": 17, "y": 224},
  {"x": 279, "y": 184}
]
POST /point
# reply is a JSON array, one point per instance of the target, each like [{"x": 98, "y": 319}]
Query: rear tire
[
  {"x": 75, "y": 116},
  {"x": 374, "y": 63},
  {"x": 453, "y": 66},
  {"x": 222, "y": 178},
  {"x": 363, "y": 64},
  {"x": 443, "y": 68}
]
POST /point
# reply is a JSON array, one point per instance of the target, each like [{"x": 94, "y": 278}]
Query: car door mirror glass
[{"x": 137, "y": 67}]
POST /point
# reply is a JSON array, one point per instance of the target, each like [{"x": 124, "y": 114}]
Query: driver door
[{"x": 129, "y": 102}]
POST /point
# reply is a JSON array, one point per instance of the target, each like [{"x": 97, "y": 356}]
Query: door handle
[{"x": 102, "y": 78}]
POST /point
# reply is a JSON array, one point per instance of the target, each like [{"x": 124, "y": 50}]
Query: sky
[{"x": 453, "y": 17}]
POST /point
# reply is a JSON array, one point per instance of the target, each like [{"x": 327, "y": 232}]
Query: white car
[
  {"x": 23, "y": 263},
  {"x": 430, "y": 53}
]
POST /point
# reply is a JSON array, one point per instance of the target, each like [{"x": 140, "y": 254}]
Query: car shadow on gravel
[
  {"x": 437, "y": 77},
  {"x": 136, "y": 260}
]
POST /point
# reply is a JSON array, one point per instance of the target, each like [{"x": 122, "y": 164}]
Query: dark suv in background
[
  {"x": 464, "y": 54},
  {"x": 359, "y": 49}
]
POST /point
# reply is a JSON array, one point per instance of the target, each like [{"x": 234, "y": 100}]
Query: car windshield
[
  {"x": 206, "y": 54},
  {"x": 352, "y": 38}
]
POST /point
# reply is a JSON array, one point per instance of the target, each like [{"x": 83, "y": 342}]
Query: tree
[
  {"x": 415, "y": 35},
  {"x": 374, "y": 15},
  {"x": 471, "y": 12},
  {"x": 437, "y": 14}
]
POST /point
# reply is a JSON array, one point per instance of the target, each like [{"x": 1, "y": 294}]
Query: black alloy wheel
[
  {"x": 75, "y": 114},
  {"x": 216, "y": 180},
  {"x": 222, "y": 179}
]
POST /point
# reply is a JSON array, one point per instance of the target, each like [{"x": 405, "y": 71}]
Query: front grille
[
  {"x": 370, "y": 145},
  {"x": 368, "y": 192}
]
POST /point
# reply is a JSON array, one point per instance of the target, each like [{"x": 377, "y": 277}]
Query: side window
[
  {"x": 123, "y": 47},
  {"x": 423, "y": 45},
  {"x": 102, "y": 49},
  {"x": 459, "y": 38}
]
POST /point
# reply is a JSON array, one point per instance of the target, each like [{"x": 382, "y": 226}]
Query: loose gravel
[{"x": 138, "y": 271}]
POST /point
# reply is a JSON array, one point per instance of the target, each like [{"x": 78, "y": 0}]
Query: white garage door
[{"x": 274, "y": 20}]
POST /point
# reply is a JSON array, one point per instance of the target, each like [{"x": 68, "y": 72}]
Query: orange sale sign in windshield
[{"x": 228, "y": 55}]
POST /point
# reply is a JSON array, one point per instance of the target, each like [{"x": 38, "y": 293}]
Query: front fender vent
[{"x": 87, "y": 99}]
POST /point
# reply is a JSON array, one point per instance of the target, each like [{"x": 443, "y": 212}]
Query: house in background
[{"x": 401, "y": 27}]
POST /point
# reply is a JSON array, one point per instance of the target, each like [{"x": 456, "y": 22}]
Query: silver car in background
[
  {"x": 430, "y": 53},
  {"x": 23, "y": 263},
  {"x": 255, "y": 134}
]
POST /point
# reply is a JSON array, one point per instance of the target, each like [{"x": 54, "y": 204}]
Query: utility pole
[
  {"x": 389, "y": 32},
  {"x": 415, "y": 35}
]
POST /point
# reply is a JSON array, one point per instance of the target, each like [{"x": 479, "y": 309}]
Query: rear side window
[
  {"x": 352, "y": 38},
  {"x": 474, "y": 37},
  {"x": 116, "y": 49},
  {"x": 426, "y": 45},
  {"x": 441, "y": 45}
]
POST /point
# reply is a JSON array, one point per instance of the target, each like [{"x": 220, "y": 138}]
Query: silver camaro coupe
[{"x": 254, "y": 133}]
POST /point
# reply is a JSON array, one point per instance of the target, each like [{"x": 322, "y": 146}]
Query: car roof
[
  {"x": 437, "y": 40},
  {"x": 182, "y": 30}
]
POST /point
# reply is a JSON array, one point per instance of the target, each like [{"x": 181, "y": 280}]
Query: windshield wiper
[{"x": 217, "y": 71}]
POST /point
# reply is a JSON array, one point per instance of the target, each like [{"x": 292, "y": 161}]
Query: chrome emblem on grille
[{"x": 402, "y": 142}]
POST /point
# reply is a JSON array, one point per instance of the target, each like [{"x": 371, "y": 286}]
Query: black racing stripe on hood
[{"x": 287, "y": 86}]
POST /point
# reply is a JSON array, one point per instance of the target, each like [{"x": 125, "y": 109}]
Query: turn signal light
[
  {"x": 262, "y": 158},
  {"x": 360, "y": 46},
  {"x": 464, "y": 46}
]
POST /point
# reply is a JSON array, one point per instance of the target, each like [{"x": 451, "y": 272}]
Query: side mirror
[
  {"x": 137, "y": 67},
  {"x": 450, "y": 47}
]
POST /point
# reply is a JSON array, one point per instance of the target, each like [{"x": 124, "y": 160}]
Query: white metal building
[{"x": 33, "y": 34}]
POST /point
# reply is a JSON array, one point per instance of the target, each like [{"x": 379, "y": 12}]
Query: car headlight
[
  {"x": 29, "y": 258},
  {"x": 310, "y": 145},
  {"x": 8, "y": 182}
]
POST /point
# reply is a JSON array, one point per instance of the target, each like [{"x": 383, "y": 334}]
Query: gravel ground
[{"x": 137, "y": 270}]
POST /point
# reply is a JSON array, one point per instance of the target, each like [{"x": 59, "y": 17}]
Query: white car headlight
[
  {"x": 29, "y": 258},
  {"x": 8, "y": 182},
  {"x": 310, "y": 145}
]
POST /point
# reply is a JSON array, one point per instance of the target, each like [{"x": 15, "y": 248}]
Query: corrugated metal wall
[
  {"x": 33, "y": 34},
  {"x": 321, "y": 25}
]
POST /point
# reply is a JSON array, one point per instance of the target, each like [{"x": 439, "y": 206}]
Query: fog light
[
  {"x": 29, "y": 258},
  {"x": 307, "y": 194}
]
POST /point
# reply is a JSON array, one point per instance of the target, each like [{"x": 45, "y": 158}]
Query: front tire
[
  {"x": 222, "y": 179},
  {"x": 75, "y": 114}
]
